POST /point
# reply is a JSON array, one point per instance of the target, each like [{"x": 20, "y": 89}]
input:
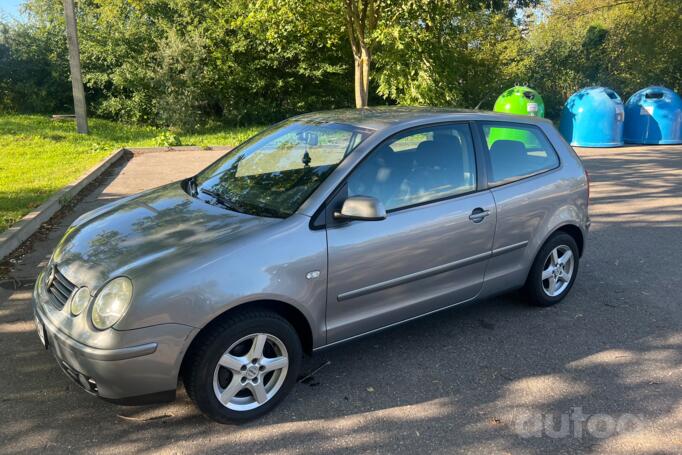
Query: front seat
[
  {"x": 439, "y": 169},
  {"x": 508, "y": 158}
]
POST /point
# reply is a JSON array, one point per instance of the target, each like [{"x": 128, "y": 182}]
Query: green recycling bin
[
  {"x": 518, "y": 100},
  {"x": 522, "y": 101}
]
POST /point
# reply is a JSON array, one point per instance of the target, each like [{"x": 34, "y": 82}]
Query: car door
[
  {"x": 520, "y": 164},
  {"x": 431, "y": 250}
]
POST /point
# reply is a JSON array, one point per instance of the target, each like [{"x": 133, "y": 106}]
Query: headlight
[
  {"x": 79, "y": 301},
  {"x": 111, "y": 302}
]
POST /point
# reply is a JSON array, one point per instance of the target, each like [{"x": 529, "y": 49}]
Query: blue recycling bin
[
  {"x": 653, "y": 115},
  {"x": 593, "y": 117}
]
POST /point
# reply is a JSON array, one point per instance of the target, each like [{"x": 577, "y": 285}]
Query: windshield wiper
[
  {"x": 222, "y": 200},
  {"x": 245, "y": 208}
]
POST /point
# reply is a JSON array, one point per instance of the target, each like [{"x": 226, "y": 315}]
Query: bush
[
  {"x": 167, "y": 139},
  {"x": 32, "y": 77}
]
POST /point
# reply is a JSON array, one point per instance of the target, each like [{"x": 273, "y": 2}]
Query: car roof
[{"x": 378, "y": 118}]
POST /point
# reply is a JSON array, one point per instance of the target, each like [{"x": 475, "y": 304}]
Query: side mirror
[{"x": 362, "y": 208}]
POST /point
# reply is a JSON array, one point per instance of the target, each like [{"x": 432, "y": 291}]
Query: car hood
[{"x": 152, "y": 227}]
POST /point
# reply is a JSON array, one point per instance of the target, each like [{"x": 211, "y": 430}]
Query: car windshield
[{"x": 274, "y": 172}]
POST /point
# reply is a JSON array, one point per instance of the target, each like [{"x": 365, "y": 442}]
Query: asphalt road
[{"x": 494, "y": 377}]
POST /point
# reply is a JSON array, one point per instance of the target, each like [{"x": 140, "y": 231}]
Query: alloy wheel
[
  {"x": 251, "y": 371},
  {"x": 558, "y": 270}
]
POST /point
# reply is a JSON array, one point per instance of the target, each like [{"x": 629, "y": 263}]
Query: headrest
[{"x": 509, "y": 148}]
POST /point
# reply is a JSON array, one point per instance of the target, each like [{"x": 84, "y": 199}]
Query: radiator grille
[{"x": 59, "y": 289}]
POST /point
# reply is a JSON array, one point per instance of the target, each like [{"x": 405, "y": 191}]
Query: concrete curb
[
  {"x": 179, "y": 148},
  {"x": 20, "y": 231}
]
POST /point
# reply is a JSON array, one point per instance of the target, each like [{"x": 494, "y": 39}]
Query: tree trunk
[
  {"x": 362, "y": 63},
  {"x": 361, "y": 21},
  {"x": 366, "y": 59},
  {"x": 359, "y": 87}
]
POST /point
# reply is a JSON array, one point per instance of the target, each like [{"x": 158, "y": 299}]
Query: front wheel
[
  {"x": 554, "y": 271},
  {"x": 244, "y": 366}
]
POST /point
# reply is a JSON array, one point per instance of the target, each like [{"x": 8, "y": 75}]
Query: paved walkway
[
  {"x": 143, "y": 171},
  {"x": 462, "y": 381}
]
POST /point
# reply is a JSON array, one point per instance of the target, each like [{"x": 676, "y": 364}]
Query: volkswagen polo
[{"x": 320, "y": 229}]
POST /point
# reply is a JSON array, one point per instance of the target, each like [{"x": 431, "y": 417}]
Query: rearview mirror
[
  {"x": 308, "y": 138},
  {"x": 312, "y": 139},
  {"x": 362, "y": 208}
]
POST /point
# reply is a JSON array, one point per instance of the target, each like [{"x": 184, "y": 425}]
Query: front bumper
[{"x": 144, "y": 370}]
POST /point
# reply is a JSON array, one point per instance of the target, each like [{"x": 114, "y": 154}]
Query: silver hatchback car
[{"x": 320, "y": 229}]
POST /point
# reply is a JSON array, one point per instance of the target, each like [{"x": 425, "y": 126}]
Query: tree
[
  {"x": 281, "y": 57},
  {"x": 32, "y": 76},
  {"x": 623, "y": 44},
  {"x": 185, "y": 63},
  {"x": 362, "y": 18},
  {"x": 446, "y": 53}
]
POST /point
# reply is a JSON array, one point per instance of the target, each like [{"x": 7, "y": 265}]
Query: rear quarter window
[{"x": 517, "y": 151}]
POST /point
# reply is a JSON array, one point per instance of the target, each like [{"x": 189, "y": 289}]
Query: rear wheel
[
  {"x": 554, "y": 270},
  {"x": 244, "y": 366}
]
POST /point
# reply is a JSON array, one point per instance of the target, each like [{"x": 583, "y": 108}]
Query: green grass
[{"x": 39, "y": 156}]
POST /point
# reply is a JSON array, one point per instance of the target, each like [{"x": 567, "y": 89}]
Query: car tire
[
  {"x": 244, "y": 374},
  {"x": 548, "y": 283}
]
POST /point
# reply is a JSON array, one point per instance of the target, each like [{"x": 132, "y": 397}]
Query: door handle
[{"x": 478, "y": 214}]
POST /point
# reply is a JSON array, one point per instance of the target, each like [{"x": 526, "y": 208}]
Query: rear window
[{"x": 517, "y": 151}]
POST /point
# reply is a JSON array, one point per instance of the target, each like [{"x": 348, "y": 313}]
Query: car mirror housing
[{"x": 361, "y": 208}]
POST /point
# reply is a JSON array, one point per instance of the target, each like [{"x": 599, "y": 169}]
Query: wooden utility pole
[{"x": 75, "y": 66}]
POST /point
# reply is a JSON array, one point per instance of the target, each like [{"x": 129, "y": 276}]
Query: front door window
[{"x": 418, "y": 166}]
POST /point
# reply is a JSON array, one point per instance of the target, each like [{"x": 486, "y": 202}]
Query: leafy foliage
[
  {"x": 622, "y": 44},
  {"x": 186, "y": 63},
  {"x": 167, "y": 138},
  {"x": 33, "y": 75},
  {"x": 429, "y": 57}
]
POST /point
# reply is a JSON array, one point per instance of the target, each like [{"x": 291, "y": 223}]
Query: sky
[{"x": 9, "y": 9}]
